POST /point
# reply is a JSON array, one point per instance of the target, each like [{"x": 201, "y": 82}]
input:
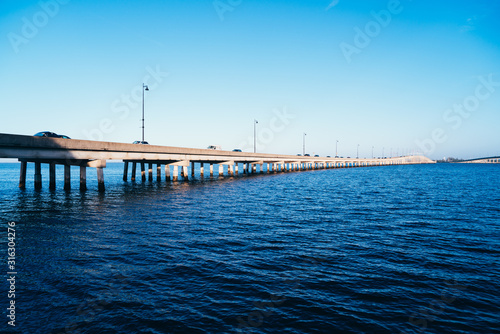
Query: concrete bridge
[
  {"x": 86, "y": 153},
  {"x": 490, "y": 160}
]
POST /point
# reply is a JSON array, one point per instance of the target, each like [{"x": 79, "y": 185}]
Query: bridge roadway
[
  {"x": 489, "y": 160},
  {"x": 86, "y": 153}
]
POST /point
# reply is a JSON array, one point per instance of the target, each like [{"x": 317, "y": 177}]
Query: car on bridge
[
  {"x": 236, "y": 150},
  {"x": 140, "y": 142},
  {"x": 214, "y": 147},
  {"x": 50, "y": 135},
  {"x": 307, "y": 155}
]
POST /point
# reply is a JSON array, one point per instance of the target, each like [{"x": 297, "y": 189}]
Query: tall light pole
[
  {"x": 304, "y": 144},
  {"x": 357, "y": 152},
  {"x": 255, "y": 135},
  {"x": 336, "y": 149},
  {"x": 144, "y": 87}
]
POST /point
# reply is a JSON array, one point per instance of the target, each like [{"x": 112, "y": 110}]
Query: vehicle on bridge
[
  {"x": 237, "y": 150},
  {"x": 140, "y": 142},
  {"x": 214, "y": 147},
  {"x": 50, "y": 135}
]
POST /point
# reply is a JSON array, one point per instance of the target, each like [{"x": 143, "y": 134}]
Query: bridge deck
[{"x": 86, "y": 153}]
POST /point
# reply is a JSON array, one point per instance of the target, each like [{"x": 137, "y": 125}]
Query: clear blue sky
[{"x": 77, "y": 68}]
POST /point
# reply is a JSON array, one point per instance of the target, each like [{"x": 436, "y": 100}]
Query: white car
[{"x": 214, "y": 147}]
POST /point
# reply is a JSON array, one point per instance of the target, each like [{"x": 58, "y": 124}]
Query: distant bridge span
[
  {"x": 489, "y": 160},
  {"x": 86, "y": 153}
]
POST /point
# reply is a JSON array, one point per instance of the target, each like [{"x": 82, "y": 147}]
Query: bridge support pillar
[
  {"x": 175, "y": 176},
  {"x": 52, "y": 176},
  {"x": 230, "y": 170},
  {"x": 261, "y": 168},
  {"x": 100, "y": 179},
  {"x": 150, "y": 172},
  {"x": 143, "y": 172},
  {"x": 236, "y": 169},
  {"x": 125, "y": 171},
  {"x": 185, "y": 173},
  {"x": 83, "y": 178},
  {"x": 22, "y": 175},
  {"x": 167, "y": 172},
  {"x": 38, "y": 176},
  {"x": 134, "y": 168},
  {"x": 254, "y": 168},
  {"x": 158, "y": 172},
  {"x": 67, "y": 177},
  {"x": 211, "y": 169},
  {"x": 221, "y": 170}
]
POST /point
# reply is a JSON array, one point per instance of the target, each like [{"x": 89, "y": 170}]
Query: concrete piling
[
  {"x": 158, "y": 172},
  {"x": 52, "y": 176},
  {"x": 143, "y": 172},
  {"x": 134, "y": 168},
  {"x": 175, "y": 175},
  {"x": 83, "y": 178},
  {"x": 67, "y": 177},
  {"x": 38, "y": 176},
  {"x": 22, "y": 175},
  {"x": 167, "y": 172},
  {"x": 125, "y": 171},
  {"x": 100, "y": 179},
  {"x": 150, "y": 172}
]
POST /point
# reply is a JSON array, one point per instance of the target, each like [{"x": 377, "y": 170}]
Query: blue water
[{"x": 396, "y": 249}]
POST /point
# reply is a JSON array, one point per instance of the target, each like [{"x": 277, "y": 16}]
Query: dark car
[
  {"x": 50, "y": 135},
  {"x": 236, "y": 150},
  {"x": 307, "y": 155},
  {"x": 141, "y": 142},
  {"x": 328, "y": 156},
  {"x": 317, "y": 156},
  {"x": 299, "y": 155}
]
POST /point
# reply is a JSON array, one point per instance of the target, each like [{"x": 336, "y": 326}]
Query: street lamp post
[
  {"x": 144, "y": 87},
  {"x": 336, "y": 149},
  {"x": 357, "y": 152},
  {"x": 255, "y": 135},
  {"x": 304, "y": 144}
]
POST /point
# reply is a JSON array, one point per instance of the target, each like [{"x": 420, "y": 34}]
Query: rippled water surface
[{"x": 402, "y": 249}]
